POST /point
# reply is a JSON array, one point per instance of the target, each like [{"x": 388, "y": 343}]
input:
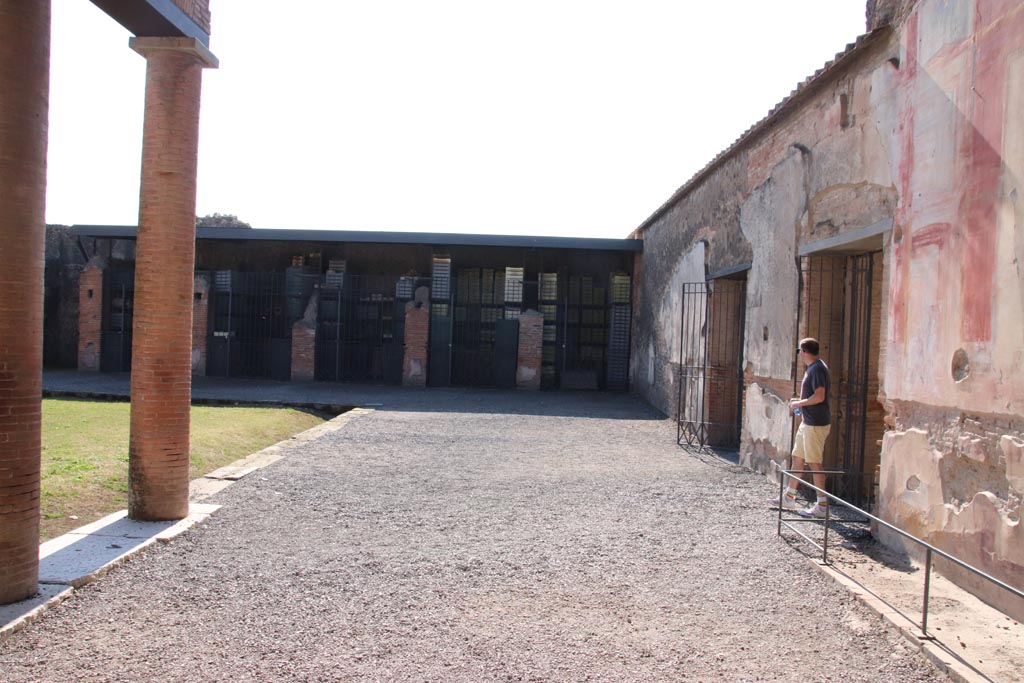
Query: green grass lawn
[{"x": 85, "y": 452}]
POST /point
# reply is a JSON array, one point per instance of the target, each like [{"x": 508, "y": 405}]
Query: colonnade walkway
[{"x": 450, "y": 535}]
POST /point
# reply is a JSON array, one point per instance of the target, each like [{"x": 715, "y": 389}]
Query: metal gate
[
  {"x": 251, "y": 323},
  {"x": 479, "y": 306},
  {"x": 116, "y": 334},
  {"x": 361, "y": 328},
  {"x": 835, "y": 301},
  {"x": 709, "y": 402},
  {"x": 585, "y": 336}
]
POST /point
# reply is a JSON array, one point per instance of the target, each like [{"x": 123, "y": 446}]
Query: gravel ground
[{"x": 510, "y": 538}]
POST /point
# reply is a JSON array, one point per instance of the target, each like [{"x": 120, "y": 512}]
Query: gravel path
[{"x": 510, "y": 538}]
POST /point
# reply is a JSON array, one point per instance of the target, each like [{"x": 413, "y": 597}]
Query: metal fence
[
  {"x": 361, "y": 327},
  {"x": 868, "y": 518}
]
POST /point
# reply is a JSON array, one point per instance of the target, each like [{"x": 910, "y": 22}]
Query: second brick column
[{"x": 158, "y": 465}]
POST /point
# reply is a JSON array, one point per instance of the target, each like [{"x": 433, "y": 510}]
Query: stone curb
[
  {"x": 54, "y": 589},
  {"x": 939, "y": 655}
]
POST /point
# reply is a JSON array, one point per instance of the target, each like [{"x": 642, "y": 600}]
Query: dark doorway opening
[{"x": 116, "y": 334}]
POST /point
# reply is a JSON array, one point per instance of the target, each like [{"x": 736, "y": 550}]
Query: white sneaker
[
  {"x": 788, "y": 502},
  {"x": 817, "y": 511}
]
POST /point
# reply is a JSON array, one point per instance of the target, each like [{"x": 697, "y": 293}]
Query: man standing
[{"x": 816, "y": 421}]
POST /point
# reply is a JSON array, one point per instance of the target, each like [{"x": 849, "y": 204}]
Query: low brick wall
[
  {"x": 304, "y": 351},
  {"x": 90, "y": 317},
  {"x": 417, "y": 335},
  {"x": 531, "y": 349}
]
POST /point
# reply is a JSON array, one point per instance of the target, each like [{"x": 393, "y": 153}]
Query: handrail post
[
  {"x": 927, "y": 588},
  {"x": 824, "y": 543},
  {"x": 782, "y": 485}
]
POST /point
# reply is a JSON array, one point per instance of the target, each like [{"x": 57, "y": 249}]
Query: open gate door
[{"x": 711, "y": 363}]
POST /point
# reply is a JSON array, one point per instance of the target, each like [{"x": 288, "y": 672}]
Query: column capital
[{"x": 192, "y": 46}]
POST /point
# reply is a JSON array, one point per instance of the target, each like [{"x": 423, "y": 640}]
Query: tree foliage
[{"x": 220, "y": 220}]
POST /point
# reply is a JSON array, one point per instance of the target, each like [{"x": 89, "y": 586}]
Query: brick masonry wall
[
  {"x": 24, "y": 82},
  {"x": 158, "y": 466},
  {"x": 90, "y": 317},
  {"x": 417, "y": 336},
  {"x": 304, "y": 351},
  {"x": 197, "y": 10},
  {"x": 531, "y": 348},
  {"x": 200, "y": 323}
]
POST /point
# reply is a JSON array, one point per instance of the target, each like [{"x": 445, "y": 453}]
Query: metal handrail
[{"x": 929, "y": 548}]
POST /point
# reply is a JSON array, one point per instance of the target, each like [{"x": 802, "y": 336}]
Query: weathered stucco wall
[
  {"x": 820, "y": 170},
  {"x": 696, "y": 236},
  {"x": 954, "y": 358},
  {"x": 920, "y": 128}
]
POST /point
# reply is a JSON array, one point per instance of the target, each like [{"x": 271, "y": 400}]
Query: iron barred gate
[
  {"x": 710, "y": 375},
  {"x": 251, "y": 318},
  {"x": 361, "y": 328}
]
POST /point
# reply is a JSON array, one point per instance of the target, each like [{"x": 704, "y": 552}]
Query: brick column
[
  {"x": 531, "y": 350},
  {"x": 417, "y": 336},
  {"x": 24, "y": 84},
  {"x": 304, "y": 351},
  {"x": 200, "y": 321},
  {"x": 304, "y": 342},
  {"x": 90, "y": 316},
  {"x": 158, "y": 448}
]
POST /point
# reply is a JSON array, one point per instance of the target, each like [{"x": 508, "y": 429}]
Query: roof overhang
[
  {"x": 153, "y": 19},
  {"x": 438, "y": 239}
]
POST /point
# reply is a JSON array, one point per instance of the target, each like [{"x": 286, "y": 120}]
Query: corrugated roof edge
[
  {"x": 378, "y": 237},
  {"x": 783, "y": 107}
]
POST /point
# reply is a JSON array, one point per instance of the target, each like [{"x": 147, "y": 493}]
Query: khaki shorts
[{"x": 809, "y": 444}]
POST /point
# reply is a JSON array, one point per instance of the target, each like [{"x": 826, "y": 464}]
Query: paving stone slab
[
  {"x": 15, "y": 617},
  {"x": 78, "y": 557}
]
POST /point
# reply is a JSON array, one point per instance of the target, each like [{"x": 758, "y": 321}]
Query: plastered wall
[
  {"x": 920, "y": 131},
  {"x": 952, "y": 373}
]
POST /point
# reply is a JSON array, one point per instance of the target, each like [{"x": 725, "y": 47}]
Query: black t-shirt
[{"x": 817, "y": 375}]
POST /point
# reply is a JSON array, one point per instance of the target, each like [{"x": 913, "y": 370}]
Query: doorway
[
  {"x": 710, "y": 398},
  {"x": 840, "y": 307}
]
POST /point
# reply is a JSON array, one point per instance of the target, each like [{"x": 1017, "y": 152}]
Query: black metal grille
[
  {"x": 586, "y": 328},
  {"x": 479, "y": 305},
  {"x": 439, "y": 362},
  {"x": 836, "y": 304},
  {"x": 116, "y": 333},
  {"x": 251, "y": 322},
  {"x": 711, "y": 363},
  {"x": 360, "y": 328},
  {"x": 621, "y": 323},
  {"x": 552, "y": 349}
]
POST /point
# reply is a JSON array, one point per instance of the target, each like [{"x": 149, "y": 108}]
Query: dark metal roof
[
  {"x": 153, "y": 18},
  {"x": 788, "y": 104},
  {"x": 376, "y": 237}
]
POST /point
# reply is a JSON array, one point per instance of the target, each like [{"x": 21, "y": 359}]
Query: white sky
[{"x": 554, "y": 117}]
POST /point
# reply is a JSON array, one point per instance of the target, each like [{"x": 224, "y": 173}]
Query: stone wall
[
  {"x": 531, "y": 345},
  {"x": 953, "y": 362},
  {"x": 913, "y": 146},
  {"x": 90, "y": 316},
  {"x": 304, "y": 342},
  {"x": 417, "y": 338}
]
